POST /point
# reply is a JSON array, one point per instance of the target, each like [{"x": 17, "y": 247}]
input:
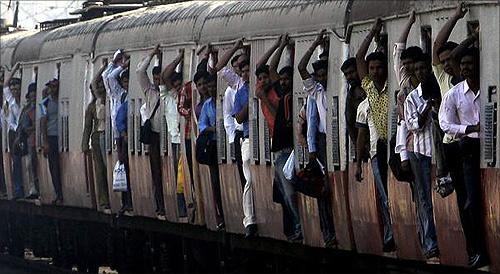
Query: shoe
[
  {"x": 296, "y": 238},
  {"x": 389, "y": 246},
  {"x": 32, "y": 197},
  {"x": 432, "y": 254},
  {"x": 106, "y": 210},
  {"x": 220, "y": 227},
  {"x": 250, "y": 231},
  {"x": 478, "y": 261},
  {"x": 57, "y": 201},
  {"x": 161, "y": 216},
  {"x": 332, "y": 243}
]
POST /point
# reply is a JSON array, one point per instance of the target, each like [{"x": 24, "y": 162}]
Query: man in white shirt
[
  {"x": 459, "y": 116},
  {"x": 12, "y": 97},
  {"x": 417, "y": 113},
  {"x": 234, "y": 130},
  {"x": 315, "y": 86}
]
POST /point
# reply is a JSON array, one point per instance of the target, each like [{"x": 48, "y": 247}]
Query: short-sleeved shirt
[
  {"x": 273, "y": 97},
  {"x": 240, "y": 101},
  {"x": 379, "y": 105},
  {"x": 283, "y": 127},
  {"x": 208, "y": 116},
  {"x": 364, "y": 119},
  {"x": 52, "y": 115},
  {"x": 121, "y": 118}
]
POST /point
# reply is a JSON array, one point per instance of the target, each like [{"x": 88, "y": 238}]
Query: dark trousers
[
  {"x": 464, "y": 163},
  {"x": 3, "y": 187},
  {"x": 214, "y": 179},
  {"x": 237, "y": 154},
  {"x": 122, "y": 146},
  {"x": 16, "y": 171},
  {"x": 189, "y": 156},
  {"x": 55, "y": 166},
  {"x": 33, "y": 166},
  {"x": 156, "y": 174},
  {"x": 325, "y": 203}
]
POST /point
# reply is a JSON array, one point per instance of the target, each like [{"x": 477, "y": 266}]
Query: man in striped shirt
[{"x": 418, "y": 107}]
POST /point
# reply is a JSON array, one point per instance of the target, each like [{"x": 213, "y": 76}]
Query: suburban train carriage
[
  {"x": 8, "y": 47},
  {"x": 253, "y": 20},
  {"x": 431, "y": 16},
  {"x": 171, "y": 26}
]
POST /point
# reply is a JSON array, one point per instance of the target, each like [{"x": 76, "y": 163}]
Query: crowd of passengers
[{"x": 438, "y": 110}]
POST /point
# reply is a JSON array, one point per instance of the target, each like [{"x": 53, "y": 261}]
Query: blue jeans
[
  {"x": 287, "y": 191},
  {"x": 421, "y": 166},
  {"x": 383, "y": 200}
]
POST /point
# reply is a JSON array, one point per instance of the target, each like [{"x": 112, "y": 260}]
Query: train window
[
  {"x": 221, "y": 138},
  {"x": 131, "y": 126},
  {"x": 335, "y": 133},
  {"x": 301, "y": 151},
  {"x": 137, "y": 129},
  {"x": 164, "y": 133},
  {"x": 34, "y": 78},
  {"x": 254, "y": 118},
  {"x": 490, "y": 131},
  {"x": 426, "y": 39},
  {"x": 109, "y": 133},
  {"x": 267, "y": 143}
]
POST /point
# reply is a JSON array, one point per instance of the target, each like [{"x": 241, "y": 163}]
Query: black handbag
[
  {"x": 395, "y": 164},
  {"x": 146, "y": 129},
  {"x": 206, "y": 149}
]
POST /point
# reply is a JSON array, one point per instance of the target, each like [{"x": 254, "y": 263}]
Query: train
[{"x": 74, "y": 52}]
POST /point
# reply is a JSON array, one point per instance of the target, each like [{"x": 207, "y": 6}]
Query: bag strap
[{"x": 156, "y": 108}]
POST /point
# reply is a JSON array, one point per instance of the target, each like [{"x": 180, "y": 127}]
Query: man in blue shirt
[
  {"x": 207, "y": 123},
  {"x": 240, "y": 112}
]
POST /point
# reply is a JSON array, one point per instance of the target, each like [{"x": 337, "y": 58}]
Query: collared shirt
[
  {"x": 230, "y": 123},
  {"x": 317, "y": 91},
  {"x": 415, "y": 105},
  {"x": 121, "y": 118},
  {"x": 404, "y": 140},
  {"x": 169, "y": 98},
  {"x": 312, "y": 124},
  {"x": 232, "y": 78},
  {"x": 379, "y": 105},
  {"x": 151, "y": 94},
  {"x": 52, "y": 115},
  {"x": 351, "y": 107},
  {"x": 115, "y": 92},
  {"x": 274, "y": 99},
  {"x": 445, "y": 84},
  {"x": 240, "y": 101},
  {"x": 208, "y": 116},
  {"x": 14, "y": 109},
  {"x": 364, "y": 119},
  {"x": 460, "y": 108}
]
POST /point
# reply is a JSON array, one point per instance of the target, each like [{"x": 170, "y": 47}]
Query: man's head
[
  {"x": 350, "y": 71},
  {"x": 408, "y": 57},
  {"x": 320, "y": 75},
  {"x": 15, "y": 87},
  {"x": 244, "y": 67},
  {"x": 262, "y": 74},
  {"x": 286, "y": 78},
  {"x": 377, "y": 66},
  {"x": 124, "y": 77},
  {"x": 212, "y": 85},
  {"x": 235, "y": 63},
  {"x": 422, "y": 67},
  {"x": 469, "y": 64},
  {"x": 31, "y": 95},
  {"x": 53, "y": 86},
  {"x": 200, "y": 80},
  {"x": 445, "y": 58},
  {"x": 176, "y": 80},
  {"x": 157, "y": 75}
]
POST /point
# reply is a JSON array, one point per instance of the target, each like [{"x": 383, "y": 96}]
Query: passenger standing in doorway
[
  {"x": 94, "y": 131},
  {"x": 355, "y": 95},
  {"x": 12, "y": 97},
  {"x": 169, "y": 91},
  {"x": 152, "y": 97},
  {"x": 50, "y": 132},
  {"x": 117, "y": 82},
  {"x": 418, "y": 109},
  {"x": 26, "y": 135},
  {"x": 315, "y": 86},
  {"x": 274, "y": 91},
  {"x": 459, "y": 116},
  {"x": 371, "y": 120}
]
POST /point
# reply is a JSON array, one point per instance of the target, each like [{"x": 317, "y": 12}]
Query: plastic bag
[
  {"x": 119, "y": 178},
  {"x": 289, "y": 166}
]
